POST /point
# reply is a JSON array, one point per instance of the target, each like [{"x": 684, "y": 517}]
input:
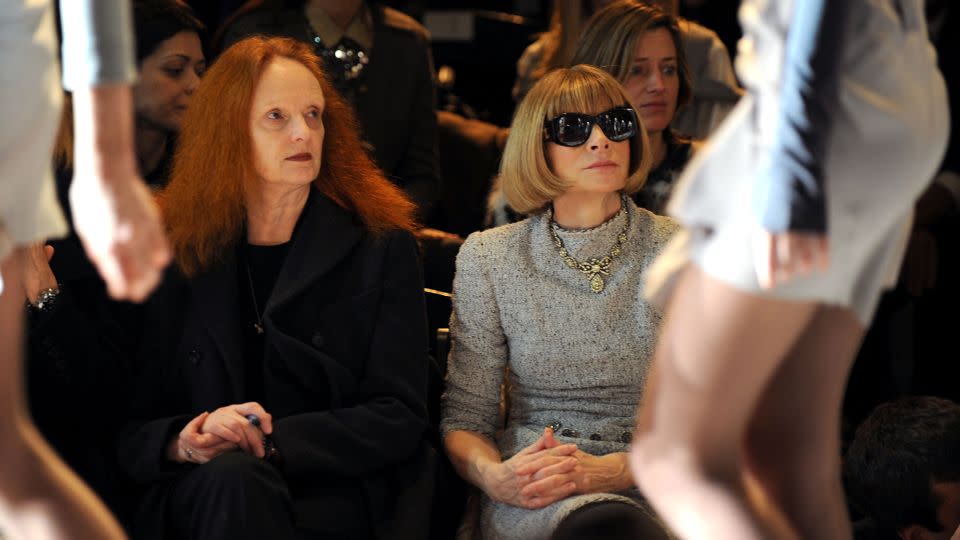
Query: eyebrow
[
  {"x": 664, "y": 59},
  {"x": 184, "y": 57},
  {"x": 278, "y": 105}
]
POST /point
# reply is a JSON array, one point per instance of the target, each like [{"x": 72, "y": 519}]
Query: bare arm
[
  {"x": 471, "y": 455},
  {"x": 114, "y": 212}
]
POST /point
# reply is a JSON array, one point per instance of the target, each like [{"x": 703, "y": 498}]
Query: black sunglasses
[{"x": 574, "y": 129}]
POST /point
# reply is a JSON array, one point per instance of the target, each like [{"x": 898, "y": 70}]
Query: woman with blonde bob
[
  {"x": 284, "y": 372},
  {"x": 558, "y": 299}
]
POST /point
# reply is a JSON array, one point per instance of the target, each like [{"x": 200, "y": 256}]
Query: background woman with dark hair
[
  {"x": 283, "y": 379},
  {"x": 171, "y": 60}
]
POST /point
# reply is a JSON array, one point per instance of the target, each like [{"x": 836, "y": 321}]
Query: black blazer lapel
[
  {"x": 215, "y": 299},
  {"x": 324, "y": 236}
]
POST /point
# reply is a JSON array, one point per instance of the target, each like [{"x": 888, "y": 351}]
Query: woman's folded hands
[{"x": 227, "y": 428}]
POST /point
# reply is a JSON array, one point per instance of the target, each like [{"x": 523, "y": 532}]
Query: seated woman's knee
[{"x": 237, "y": 470}]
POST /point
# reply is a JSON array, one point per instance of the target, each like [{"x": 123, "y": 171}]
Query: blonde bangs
[{"x": 527, "y": 181}]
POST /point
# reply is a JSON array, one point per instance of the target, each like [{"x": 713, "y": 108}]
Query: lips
[
  {"x": 654, "y": 105},
  {"x": 602, "y": 164},
  {"x": 304, "y": 156}
]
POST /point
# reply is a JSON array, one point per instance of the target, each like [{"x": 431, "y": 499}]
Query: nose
[
  {"x": 299, "y": 130},
  {"x": 192, "y": 82},
  {"x": 655, "y": 82},
  {"x": 598, "y": 139}
]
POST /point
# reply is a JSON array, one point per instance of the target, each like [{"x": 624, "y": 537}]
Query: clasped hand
[
  {"x": 227, "y": 428},
  {"x": 547, "y": 471}
]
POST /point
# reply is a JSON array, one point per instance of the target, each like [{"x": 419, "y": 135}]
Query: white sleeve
[{"x": 98, "y": 43}]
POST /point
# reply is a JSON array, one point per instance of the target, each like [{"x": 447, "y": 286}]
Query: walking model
[
  {"x": 113, "y": 212},
  {"x": 796, "y": 213}
]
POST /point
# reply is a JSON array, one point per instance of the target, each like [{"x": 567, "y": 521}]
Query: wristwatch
[{"x": 46, "y": 300}]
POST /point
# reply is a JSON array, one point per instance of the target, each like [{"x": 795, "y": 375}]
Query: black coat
[{"x": 345, "y": 373}]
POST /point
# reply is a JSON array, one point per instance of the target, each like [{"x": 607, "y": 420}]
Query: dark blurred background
[{"x": 481, "y": 40}]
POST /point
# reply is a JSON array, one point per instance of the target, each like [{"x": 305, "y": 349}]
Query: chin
[
  {"x": 305, "y": 180},
  {"x": 655, "y": 122},
  {"x": 610, "y": 185}
]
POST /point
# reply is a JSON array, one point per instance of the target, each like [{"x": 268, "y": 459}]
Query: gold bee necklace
[{"x": 594, "y": 268}]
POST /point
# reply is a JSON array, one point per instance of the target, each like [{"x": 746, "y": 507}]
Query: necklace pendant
[
  {"x": 596, "y": 283},
  {"x": 259, "y": 328}
]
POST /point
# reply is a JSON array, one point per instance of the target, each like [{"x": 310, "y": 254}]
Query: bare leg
[
  {"x": 793, "y": 442},
  {"x": 40, "y": 498},
  {"x": 718, "y": 350}
]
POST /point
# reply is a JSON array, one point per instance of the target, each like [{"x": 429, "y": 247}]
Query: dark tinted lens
[
  {"x": 572, "y": 129},
  {"x": 618, "y": 124}
]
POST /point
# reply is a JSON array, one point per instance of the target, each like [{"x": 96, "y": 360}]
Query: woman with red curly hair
[{"x": 284, "y": 361}]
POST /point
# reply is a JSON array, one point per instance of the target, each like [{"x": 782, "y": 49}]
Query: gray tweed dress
[{"x": 576, "y": 357}]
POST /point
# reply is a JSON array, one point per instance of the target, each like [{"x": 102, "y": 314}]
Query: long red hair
[{"x": 204, "y": 204}]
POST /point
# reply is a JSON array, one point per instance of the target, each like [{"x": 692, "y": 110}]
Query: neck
[
  {"x": 272, "y": 213},
  {"x": 340, "y": 11},
  {"x": 151, "y": 146},
  {"x": 658, "y": 147},
  {"x": 585, "y": 210}
]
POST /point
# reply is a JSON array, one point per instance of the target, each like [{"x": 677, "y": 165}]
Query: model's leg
[
  {"x": 793, "y": 441},
  {"x": 718, "y": 350},
  {"x": 39, "y": 496}
]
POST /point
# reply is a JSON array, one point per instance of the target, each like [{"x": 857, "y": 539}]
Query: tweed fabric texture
[{"x": 575, "y": 356}]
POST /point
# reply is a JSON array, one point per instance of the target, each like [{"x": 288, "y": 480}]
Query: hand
[
  {"x": 230, "y": 424},
  {"x": 195, "y": 447},
  {"x": 782, "y": 257},
  {"x": 113, "y": 212},
  {"x": 37, "y": 274},
  {"x": 120, "y": 227},
  {"x": 593, "y": 474},
  {"x": 551, "y": 467}
]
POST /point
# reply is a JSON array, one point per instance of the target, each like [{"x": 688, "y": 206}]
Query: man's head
[{"x": 903, "y": 467}]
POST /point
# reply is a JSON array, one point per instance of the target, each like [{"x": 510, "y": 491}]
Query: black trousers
[
  {"x": 233, "y": 496},
  {"x": 610, "y": 520}
]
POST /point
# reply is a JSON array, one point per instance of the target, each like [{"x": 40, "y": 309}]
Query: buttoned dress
[{"x": 577, "y": 358}]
